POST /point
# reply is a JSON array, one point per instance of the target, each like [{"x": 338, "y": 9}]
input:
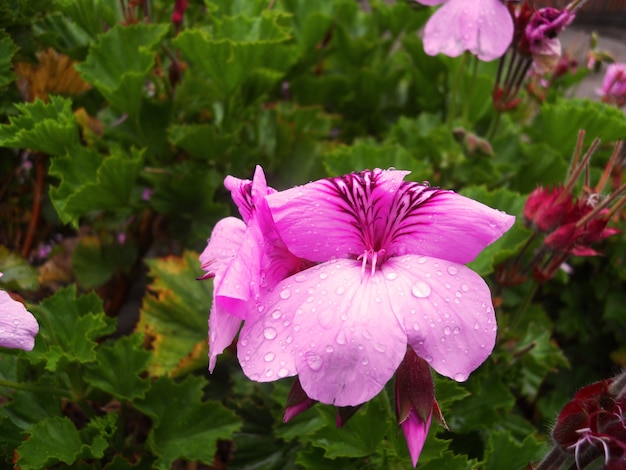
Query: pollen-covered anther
[{"x": 374, "y": 258}]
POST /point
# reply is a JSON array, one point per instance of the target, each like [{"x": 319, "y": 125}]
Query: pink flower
[
  {"x": 614, "y": 85},
  {"x": 483, "y": 27},
  {"x": 244, "y": 258},
  {"x": 18, "y": 327},
  {"x": 389, "y": 272}
]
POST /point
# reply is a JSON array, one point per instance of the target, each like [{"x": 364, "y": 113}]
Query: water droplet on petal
[
  {"x": 421, "y": 260},
  {"x": 391, "y": 276},
  {"x": 460, "y": 377},
  {"x": 285, "y": 294},
  {"x": 341, "y": 338},
  {"x": 282, "y": 372},
  {"x": 269, "y": 373},
  {"x": 340, "y": 290},
  {"x": 269, "y": 333},
  {"x": 452, "y": 270},
  {"x": 289, "y": 339},
  {"x": 458, "y": 293},
  {"x": 456, "y": 330},
  {"x": 329, "y": 349},
  {"x": 421, "y": 290},
  {"x": 244, "y": 342},
  {"x": 254, "y": 377},
  {"x": 269, "y": 357},
  {"x": 380, "y": 347},
  {"x": 314, "y": 361},
  {"x": 464, "y": 287},
  {"x": 300, "y": 278},
  {"x": 323, "y": 275},
  {"x": 416, "y": 326},
  {"x": 276, "y": 314},
  {"x": 447, "y": 330},
  {"x": 476, "y": 326}
]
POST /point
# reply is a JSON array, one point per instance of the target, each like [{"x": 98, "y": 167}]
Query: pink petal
[
  {"x": 446, "y": 310},
  {"x": 223, "y": 328},
  {"x": 223, "y": 245},
  {"x": 448, "y": 226},
  {"x": 18, "y": 327},
  {"x": 483, "y": 27},
  {"x": 333, "y": 328},
  {"x": 415, "y": 434},
  {"x": 328, "y": 218},
  {"x": 246, "y": 193}
]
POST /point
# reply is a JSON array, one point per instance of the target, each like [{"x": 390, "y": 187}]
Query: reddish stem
[{"x": 37, "y": 193}]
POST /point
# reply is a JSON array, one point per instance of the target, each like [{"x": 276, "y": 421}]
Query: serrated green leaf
[
  {"x": 229, "y": 62},
  {"x": 510, "y": 202},
  {"x": 94, "y": 263},
  {"x": 558, "y": 123},
  {"x": 503, "y": 451},
  {"x": 69, "y": 327},
  {"x": 46, "y": 127},
  {"x": 184, "y": 425},
  {"x": 17, "y": 273},
  {"x": 175, "y": 313},
  {"x": 90, "y": 182},
  {"x": 62, "y": 34},
  {"x": 359, "y": 437},
  {"x": 118, "y": 367},
  {"x": 51, "y": 441},
  {"x": 7, "y": 49},
  {"x": 120, "y": 76},
  {"x": 449, "y": 461}
]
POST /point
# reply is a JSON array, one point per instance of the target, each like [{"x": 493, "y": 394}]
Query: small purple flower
[
  {"x": 18, "y": 327},
  {"x": 541, "y": 37},
  {"x": 483, "y": 27},
  {"x": 614, "y": 85},
  {"x": 388, "y": 270}
]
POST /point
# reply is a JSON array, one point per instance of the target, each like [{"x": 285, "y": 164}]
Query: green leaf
[
  {"x": 503, "y": 451},
  {"x": 511, "y": 203},
  {"x": 17, "y": 273},
  {"x": 449, "y": 461},
  {"x": 7, "y": 49},
  {"x": 184, "y": 425},
  {"x": 175, "y": 314},
  {"x": 119, "y": 62},
  {"x": 69, "y": 327},
  {"x": 51, "y": 441},
  {"x": 90, "y": 182},
  {"x": 46, "y": 127},
  {"x": 118, "y": 367},
  {"x": 558, "y": 123},
  {"x": 202, "y": 141},
  {"x": 361, "y": 435},
  {"x": 242, "y": 49},
  {"x": 94, "y": 262}
]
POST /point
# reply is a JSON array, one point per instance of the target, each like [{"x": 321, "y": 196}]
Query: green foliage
[{"x": 108, "y": 196}]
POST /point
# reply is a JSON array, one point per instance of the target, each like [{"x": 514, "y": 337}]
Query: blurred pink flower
[
  {"x": 389, "y": 273},
  {"x": 483, "y": 27},
  {"x": 18, "y": 327},
  {"x": 614, "y": 85}
]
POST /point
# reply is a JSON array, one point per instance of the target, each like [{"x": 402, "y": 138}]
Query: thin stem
[
  {"x": 467, "y": 102},
  {"x": 37, "y": 197},
  {"x": 553, "y": 460},
  {"x": 455, "y": 90},
  {"x": 523, "y": 308},
  {"x": 33, "y": 388}
]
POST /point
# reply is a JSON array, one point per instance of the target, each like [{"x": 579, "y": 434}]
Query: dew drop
[
  {"x": 254, "y": 377},
  {"x": 314, "y": 361},
  {"x": 341, "y": 338},
  {"x": 282, "y": 372},
  {"x": 323, "y": 275},
  {"x": 340, "y": 290},
  {"x": 458, "y": 294},
  {"x": 447, "y": 330},
  {"x": 447, "y": 284},
  {"x": 289, "y": 340},
  {"x": 244, "y": 342},
  {"x": 269, "y": 373},
  {"x": 365, "y": 361},
  {"x": 380, "y": 347},
  {"x": 476, "y": 326},
  {"x": 276, "y": 314},
  {"x": 456, "y": 330},
  {"x": 261, "y": 308},
  {"x": 452, "y": 270},
  {"x": 366, "y": 334},
  {"x": 421, "y": 260},
  {"x": 269, "y": 333},
  {"x": 329, "y": 349},
  {"x": 421, "y": 290},
  {"x": 464, "y": 287},
  {"x": 285, "y": 294},
  {"x": 460, "y": 377},
  {"x": 269, "y": 357},
  {"x": 416, "y": 326},
  {"x": 391, "y": 276}
]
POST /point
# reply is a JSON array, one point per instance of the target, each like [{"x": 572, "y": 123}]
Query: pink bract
[
  {"x": 18, "y": 327},
  {"x": 390, "y": 272},
  {"x": 483, "y": 27}
]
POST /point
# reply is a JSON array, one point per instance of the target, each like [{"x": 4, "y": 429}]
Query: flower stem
[
  {"x": 523, "y": 308},
  {"x": 33, "y": 388},
  {"x": 454, "y": 91}
]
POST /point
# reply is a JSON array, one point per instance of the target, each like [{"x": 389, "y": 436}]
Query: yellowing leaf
[{"x": 55, "y": 73}]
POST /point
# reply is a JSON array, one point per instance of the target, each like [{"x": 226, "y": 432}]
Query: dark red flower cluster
[{"x": 593, "y": 426}]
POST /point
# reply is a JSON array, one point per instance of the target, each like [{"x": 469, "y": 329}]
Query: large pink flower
[
  {"x": 390, "y": 272},
  {"x": 483, "y": 27},
  {"x": 614, "y": 85},
  {"x": 18, "y": 327}
]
